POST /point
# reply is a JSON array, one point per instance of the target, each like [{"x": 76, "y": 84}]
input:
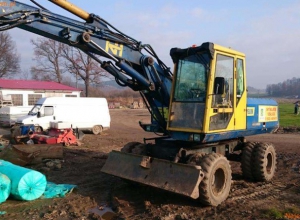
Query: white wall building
[{"x": 27, "y": 92}]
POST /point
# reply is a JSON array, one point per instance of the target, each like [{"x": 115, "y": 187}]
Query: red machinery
[{"x": 56, "y": 136}]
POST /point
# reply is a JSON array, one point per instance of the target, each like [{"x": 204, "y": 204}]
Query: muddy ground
[{"x": 81, "y": 166}]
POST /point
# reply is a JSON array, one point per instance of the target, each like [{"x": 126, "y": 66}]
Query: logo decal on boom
[{"x": 115, "y": 48}]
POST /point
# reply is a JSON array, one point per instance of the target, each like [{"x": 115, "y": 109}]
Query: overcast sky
[{"x": 268, "y": 32}]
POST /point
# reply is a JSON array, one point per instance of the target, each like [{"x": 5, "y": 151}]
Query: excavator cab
[{"x": 208, "y": 92}]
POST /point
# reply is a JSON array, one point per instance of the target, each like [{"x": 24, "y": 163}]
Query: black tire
[
  {"x": 195, "y": 159},
  {"x": 140, "y": 149},
  {"x": 129, "y": 146},
  {"x": 247, "y": 160},
  {"x": 265, "y": 161},
  {"x": 97, "y": 129},
  {"x": 38, "y": 129},
  {"x": 15, "y": 131},
  {"x": 215, "y": 186}
]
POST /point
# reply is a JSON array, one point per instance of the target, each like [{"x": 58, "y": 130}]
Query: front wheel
[
  {"x": 215, "y": 186},
  {"x": 247, "y": 160},
  {"x": 135, "y": 148}
]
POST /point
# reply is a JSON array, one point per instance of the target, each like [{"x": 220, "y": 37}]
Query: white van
[{"x": 82, "y": 113}]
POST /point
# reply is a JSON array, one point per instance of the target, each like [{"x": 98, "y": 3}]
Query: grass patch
[
  {"x": 288, "y": 213},
  {"x": 273, "y": 213},
  {"x": 287, "y": 118}
]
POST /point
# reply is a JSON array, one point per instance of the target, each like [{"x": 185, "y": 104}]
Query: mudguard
[{"x": 175, "y": 177}]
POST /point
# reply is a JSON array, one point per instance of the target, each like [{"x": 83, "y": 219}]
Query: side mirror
[
  {"x": 219, "y": 85},
  {"x": 38, "y": 114}
]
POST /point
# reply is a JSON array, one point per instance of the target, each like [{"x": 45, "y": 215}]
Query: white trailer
[
  {"x": 10, "y": 114},
  {"x": 82, "y": 113}
]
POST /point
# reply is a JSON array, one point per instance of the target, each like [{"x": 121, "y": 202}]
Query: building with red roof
[{"x": 27, "y": 92}]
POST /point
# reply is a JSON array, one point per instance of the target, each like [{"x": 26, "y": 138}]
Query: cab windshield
[
  {"x": 191, "y": 80},
  {"x": 34, "y": 110}
]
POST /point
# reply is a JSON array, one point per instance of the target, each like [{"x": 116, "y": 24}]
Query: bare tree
[
  {"x": 68, "y": 80},
  {"x": 83, "y": 67},
  {"x": 9, "y": 59},
  {"x": 55, "y": 58},
  {"x": 50, "y": 64}
]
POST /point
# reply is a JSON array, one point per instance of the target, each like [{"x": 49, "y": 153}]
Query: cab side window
[
  {"x": 223, "y": 93},
  {"x": 48, "y": 110},
  {"x": 224, "y": 70}
]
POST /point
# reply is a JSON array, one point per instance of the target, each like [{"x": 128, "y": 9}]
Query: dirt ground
[{"x": 95, "y": 190}]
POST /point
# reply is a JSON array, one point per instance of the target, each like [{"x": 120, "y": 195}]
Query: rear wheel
[
  {"x": 258, "y": 161},
  {"x": 247, "y": 159},
  {"x": 265, "y": 161},
  {"x": 215, "y": 186},
  {"x": 97, "y": 129}
]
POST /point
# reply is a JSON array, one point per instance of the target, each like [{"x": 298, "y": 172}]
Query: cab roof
[{"x": 210, "y": 48}]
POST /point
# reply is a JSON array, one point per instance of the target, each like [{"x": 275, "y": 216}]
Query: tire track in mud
[
  {"x": 251, "y": 191},
  {"x": 255, "y": 192}
]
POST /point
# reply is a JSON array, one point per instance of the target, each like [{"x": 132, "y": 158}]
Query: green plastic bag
[
  {"x": 5, "y": 187},
  {"x": 26, "y": 184}
]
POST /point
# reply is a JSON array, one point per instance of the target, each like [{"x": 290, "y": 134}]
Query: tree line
[{"x": 290, "y": 87}]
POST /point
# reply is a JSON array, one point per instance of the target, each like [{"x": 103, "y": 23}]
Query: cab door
[
  {"x": 240, "y": 94},
  {"x": 228, "y": 103}
]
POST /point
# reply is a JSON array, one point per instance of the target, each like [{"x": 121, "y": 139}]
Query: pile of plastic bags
[{"x": 26, "y": 184}]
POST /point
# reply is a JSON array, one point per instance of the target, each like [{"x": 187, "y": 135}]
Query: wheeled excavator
[{"x": 200, "y": 112}]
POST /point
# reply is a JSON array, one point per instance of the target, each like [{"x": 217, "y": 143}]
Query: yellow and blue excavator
[{"x": 200, "y": 112}]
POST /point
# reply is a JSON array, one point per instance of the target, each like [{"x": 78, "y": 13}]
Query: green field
[{"x": 287, "y": 117}]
